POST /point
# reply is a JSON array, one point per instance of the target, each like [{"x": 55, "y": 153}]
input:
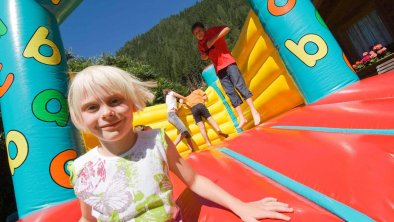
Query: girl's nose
[{"x": 107, "y": 112}]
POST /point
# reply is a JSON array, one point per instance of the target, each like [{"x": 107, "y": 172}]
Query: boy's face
[
  {"x": 109, "y": 117},
  {"x": 199, "y": 33}
]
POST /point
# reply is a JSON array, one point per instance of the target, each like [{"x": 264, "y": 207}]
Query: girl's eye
[
  {"x": 92, "y": 108},
  {"x": 115, "y": 101}
]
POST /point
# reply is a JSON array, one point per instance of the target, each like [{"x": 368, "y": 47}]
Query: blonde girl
[{"x": 126, "y": 177}]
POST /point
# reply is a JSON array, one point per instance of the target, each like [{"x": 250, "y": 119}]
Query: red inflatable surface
[{"x": 353, "y": 164}]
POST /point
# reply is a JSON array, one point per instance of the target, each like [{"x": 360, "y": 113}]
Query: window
[{"x": 367, "y": 32}]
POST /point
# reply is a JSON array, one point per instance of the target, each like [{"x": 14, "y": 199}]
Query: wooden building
[{"x": 358, "y": 25}]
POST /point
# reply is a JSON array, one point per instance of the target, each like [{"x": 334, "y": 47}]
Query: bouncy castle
[{"x": 325, "y": 147}]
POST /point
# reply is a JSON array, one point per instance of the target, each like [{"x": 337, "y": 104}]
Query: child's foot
[
  {"x": 222, "y": 134},
  {"x": 242, "y": 123},
  {"x": 256, "y": 118}
]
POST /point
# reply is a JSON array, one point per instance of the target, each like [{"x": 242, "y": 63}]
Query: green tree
[
  {"x": 171, "y": 49},
  {"x": 139, "y": 69}
]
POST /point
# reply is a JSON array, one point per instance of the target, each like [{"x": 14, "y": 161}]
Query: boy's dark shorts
[{"x": 200, "y": 110}]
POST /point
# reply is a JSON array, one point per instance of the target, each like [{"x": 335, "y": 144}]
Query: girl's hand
[{"x": 267, "y": 208}]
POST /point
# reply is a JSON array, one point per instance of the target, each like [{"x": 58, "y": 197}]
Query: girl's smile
[{"x": 110, "y": 125}]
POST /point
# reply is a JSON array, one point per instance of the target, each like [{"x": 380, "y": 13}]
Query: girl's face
[{"x": 109, "y": 117}]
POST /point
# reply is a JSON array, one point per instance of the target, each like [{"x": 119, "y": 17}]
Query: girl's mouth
[{"x": 111, "y": 125}]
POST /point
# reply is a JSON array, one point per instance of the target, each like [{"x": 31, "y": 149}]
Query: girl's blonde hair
[{"x": 111, "y": 80}]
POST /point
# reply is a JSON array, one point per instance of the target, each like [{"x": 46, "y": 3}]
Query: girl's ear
[{"x": 134, "y": 108}]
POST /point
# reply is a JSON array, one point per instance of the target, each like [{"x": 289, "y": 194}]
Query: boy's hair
[
  {"x": 166, "y": 91},
  {"x": 197, "y": 25},
  {"x": 109, "y": 79},
  {"x": 193, "y": 87}
]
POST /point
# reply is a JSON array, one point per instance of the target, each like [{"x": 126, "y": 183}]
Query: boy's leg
[
  {"x": 178, "y": 139},
  {"x": 203, "y": 132},
  {"x": 239, "y": 83},
  {"x": 255, "y": 113},
  {"x": 216, "y": 126},
  {"x": 177, "y": 122},
  {"x": 235, "y": 100},
  {"x": 242, "y": 119},
  {"x": 213, "y": 123},
  {"x": 189, "y": 143}
]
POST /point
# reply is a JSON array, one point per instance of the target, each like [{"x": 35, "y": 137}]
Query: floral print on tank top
[{"x": 132, "y": 187}]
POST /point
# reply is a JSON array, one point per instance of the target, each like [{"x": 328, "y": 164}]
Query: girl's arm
[
  {"x": 221, "y": 34},
  {"x": 86, "y": 211},
  {"x": 250, "y": 212}
]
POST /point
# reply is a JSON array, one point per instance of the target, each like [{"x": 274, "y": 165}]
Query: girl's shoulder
[
  {"x": 150, "y": 134},
  {"x": 155, "y": 137},
  {"x": 82, "y": 160},
  {"x": 75, "y": 167}
]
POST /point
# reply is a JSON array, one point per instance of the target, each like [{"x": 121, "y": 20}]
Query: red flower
[
  {"x": 366, "y": 58},
  {"x": 382, "y": 50},
  {"x": 373, "y": 54},
  {"x": 377, "y": 47}
]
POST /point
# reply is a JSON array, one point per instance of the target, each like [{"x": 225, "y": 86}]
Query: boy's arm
[
  {"x": 179, "y": 96},
  {"x": 86, "y": 211},
  {"x": 265, "y": 208},
  {"x": 187, "y": 104},
  {"x": 221, "y": 34},
  {"x": 184, "y": 103},
  {"x": 204, "y": 95},
  {"x": 204, "y": 56}
]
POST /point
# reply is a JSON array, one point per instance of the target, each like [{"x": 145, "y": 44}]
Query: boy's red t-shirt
[{"x": 219, "y": 54}]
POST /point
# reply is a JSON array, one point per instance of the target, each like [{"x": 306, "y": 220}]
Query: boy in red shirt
[{"x": 212, "y": 45}]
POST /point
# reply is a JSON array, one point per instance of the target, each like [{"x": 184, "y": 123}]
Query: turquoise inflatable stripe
[
  {"x": 211, "y": 79},
  {"x": 339, "y": 130},
  {"x": 341, "y": 210},
  {"x": 228, "y": 108}
]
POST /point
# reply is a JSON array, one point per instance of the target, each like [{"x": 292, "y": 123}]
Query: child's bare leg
[
  {"x": 189, "y": 144},
  {"x": 255, "y": 113},
  {"x": 203, "y": 132},
  {"x": 216, "y": 127},
  {"x": 242, "y": 120},
  {"x": 178, "y": 139}
]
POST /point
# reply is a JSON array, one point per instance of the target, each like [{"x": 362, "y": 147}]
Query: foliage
[
  {"x": 171, "y": 49},
  {"x": 168, "y": 52},
  {"x": 139, "y": 69}
]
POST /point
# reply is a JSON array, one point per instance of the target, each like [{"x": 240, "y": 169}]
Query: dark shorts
[
  {"x": 232, "y": 81},
  {"x": 200, "y": 110}
]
